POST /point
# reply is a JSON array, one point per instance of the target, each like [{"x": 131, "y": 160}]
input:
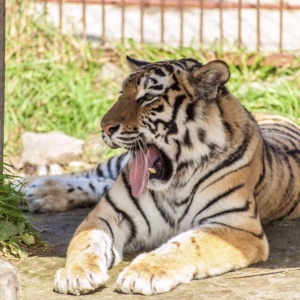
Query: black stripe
[
  {"x": 135, "y": 201},
  {"x": 201, "y": 135},
  {"x": 184, "y": 201},
  {"x": 99, "y": 171},
  {"x": 288, "y": 194},
  {"x": 181, "y": 64},
  {"x": 178, "y": 152},
  {"x": 166, "y": 98},
  {"x": 154, "y": 80},
  {"x": 255, "y": 213},
  {"x": 257, "y": 235},
  {"x": 226, "y": 175},
  {"x": 119, "y": 162},
  {"x": 218, "y": 198},
  {"x": 189, "y": 200},
  {"x": 156, "y": 87},
  {"x": 275, "y": 130},
  {"x": 184, "y": 165},
  {"x": 276, "y": 126},
  {"x": 227, "y": 126},
  {"x": 292, "y": 208},
  {"x": 178, "y": 102},
  {"x": 110, "y": 173},
  {"x": 125, "y": 217},
  {"x": 169, "y": 68},
  {"x": 280, "y": 144},
  {"x": 158, "y": 109},
  {"x": 112, "y": 244},
  {"x": 167, "y": 217},
  {"x": 187, "y": 139},
  {"x": 295, "y": 154},
  {"x": 261, "y": 180},
  {"x": 233, "y": 157},
  {"x": 159, "y": 72},
  {"x": 176, "y": 85},
  {"x": 225, "y": 212},
  {"x": 190, "y": 112},
  {"x": 92, "y": 187},
  {"x": 172, "y": 128}
]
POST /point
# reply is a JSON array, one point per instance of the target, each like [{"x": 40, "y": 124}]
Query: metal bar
[
  {"x": 187, "y": 4},
  {"x": 280, "y": 25},
  {"x": 83, "y": 19},
  {"x": 181, "y": 23},
  {"x": 2, "y": 79},
  {"x": 103, "y": 22},
  {"x": 201, "y": 22},
  {"x": 45, "y": 5},
  {"x": 123, "y": 21},
  {"x": 221, "y": 23},
  {"x": 240, "y": 24},
  {"x": 162, "y": 22},
  {"x": 60, "y": 14},
  {"x": 257, "y": 25},
  {"x": 142, "y": 21}
]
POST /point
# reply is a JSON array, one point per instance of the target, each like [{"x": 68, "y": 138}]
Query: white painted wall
[{"x": 72, "y": 14}]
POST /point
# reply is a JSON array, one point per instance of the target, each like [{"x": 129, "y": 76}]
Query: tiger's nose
[{"x": 109, "y": 129}]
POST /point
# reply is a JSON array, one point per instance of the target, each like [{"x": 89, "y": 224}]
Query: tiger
[{"x": 200, "y": 178}]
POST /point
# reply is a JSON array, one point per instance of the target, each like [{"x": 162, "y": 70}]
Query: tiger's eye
[{"x": 149, "y": 96}]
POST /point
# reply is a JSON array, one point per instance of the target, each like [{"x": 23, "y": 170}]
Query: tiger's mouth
[{"x": 150, "y": 164}]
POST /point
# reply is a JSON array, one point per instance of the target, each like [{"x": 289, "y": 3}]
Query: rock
[
  {"x": 9, "y": 282},
  {"x": 48, "y": 148},
  {"x": 112, "y": 72}
]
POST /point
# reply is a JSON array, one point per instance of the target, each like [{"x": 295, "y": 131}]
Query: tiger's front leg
[
  {"x": 196, "y": 254},
  {"x": 96, "y": 246}
]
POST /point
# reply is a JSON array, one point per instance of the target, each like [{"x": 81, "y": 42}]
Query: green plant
[{"x": 17, "y": 236}]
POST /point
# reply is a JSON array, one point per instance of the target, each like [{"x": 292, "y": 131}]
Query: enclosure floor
[{"x": 276, "y": 279}]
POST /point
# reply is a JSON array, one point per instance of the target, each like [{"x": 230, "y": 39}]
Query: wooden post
[
  {"x": 2, "y": 78},
  {"x": 240, "y": 24}
]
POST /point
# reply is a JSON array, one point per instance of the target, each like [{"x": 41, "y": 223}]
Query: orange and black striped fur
[{"x": 202, "y": 175}]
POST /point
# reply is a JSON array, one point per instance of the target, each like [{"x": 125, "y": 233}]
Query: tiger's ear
[
  {"x": 209, "y": 77},
  {"x": 135, "y": 64}
]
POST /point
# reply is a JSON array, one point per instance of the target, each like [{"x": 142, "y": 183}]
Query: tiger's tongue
[{"x": 139, "y": 172}]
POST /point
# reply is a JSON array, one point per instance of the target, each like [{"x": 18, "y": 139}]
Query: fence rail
[{"x": 248, "y": 15}]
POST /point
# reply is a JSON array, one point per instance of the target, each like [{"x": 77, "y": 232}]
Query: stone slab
[
  {"x": 276, "y": 279},
  {"x": 9, "y": 282}
]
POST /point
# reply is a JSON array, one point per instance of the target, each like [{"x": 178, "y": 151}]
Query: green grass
[
  {"x": 54, "y": 81},
  {"x": 17, "y": 236}
]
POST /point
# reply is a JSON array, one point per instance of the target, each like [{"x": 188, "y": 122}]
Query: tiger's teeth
[{"x": 152, "y": 170}]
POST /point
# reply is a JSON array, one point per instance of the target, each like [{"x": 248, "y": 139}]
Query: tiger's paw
[
  {"x": 81, "y": 277},
  {"x": 149, "y": 275}
]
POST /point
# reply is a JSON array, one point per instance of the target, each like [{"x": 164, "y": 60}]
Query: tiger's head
[{"x": 167, "y": 117}]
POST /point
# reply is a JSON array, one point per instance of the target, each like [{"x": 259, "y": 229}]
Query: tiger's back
[{"x": 278, "y": 191}]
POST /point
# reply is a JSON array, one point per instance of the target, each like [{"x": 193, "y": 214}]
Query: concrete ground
[{"x": 276, "y": 279}]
